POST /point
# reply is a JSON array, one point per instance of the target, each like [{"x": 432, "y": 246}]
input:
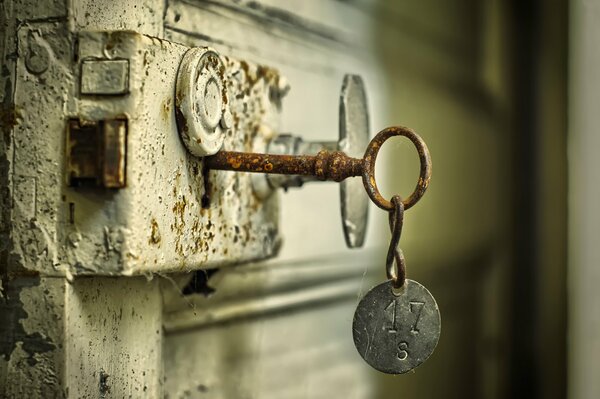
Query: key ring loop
[
  {"x": 396, "y": 219},
  {"x": 370, "y": 157}
]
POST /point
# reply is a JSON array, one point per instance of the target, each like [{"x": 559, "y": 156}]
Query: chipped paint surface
[
  {"x": 86, "y": 338},
  {"x": 115, "y": 338},
  {"x": 157, "y": 222},
  {"x": 31, "y": 337}
]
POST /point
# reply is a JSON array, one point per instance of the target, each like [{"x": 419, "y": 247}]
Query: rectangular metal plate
[{"x": 104, "y": 77}]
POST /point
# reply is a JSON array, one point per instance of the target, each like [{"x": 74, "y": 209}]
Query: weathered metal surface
[
  {"x": 104, "y": 77},
  {"x": 91, "y": 337},
  {"x": 141, "y": 16},
  {"x": 284, "y": 144},
  {"x": 114, "y": 151},
  {"x": 37, "y": 142},
  {"x": 326, "y": 165},
  {"x": 395, "y": 264},
  {"x": 396, "y": 332},
  {"x": 96, "y": 153},
  {"x": 201, "y": 101},
  {"x": 157, "y": 221},
  {"x": 370, "y": 158},
  {"x": 258, "y": 289},
  {"x": 301, "y": 353},
  {"x": 115, "y": 335},
  {"x": 32, "y": 330},
  {"x": 307, "y": 49},
  {"x": 232, "y": 343}
]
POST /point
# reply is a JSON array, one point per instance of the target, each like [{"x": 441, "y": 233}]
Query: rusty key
[{"x": 331, "y": 165}]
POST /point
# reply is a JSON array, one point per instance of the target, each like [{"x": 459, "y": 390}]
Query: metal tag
[{"x": 396, "y": 332}]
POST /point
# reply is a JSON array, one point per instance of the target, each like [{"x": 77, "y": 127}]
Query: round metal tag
[{"x": 396, "y": 332}]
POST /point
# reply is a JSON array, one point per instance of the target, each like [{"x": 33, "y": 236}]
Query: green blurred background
[{"x": 485, "y": 83}]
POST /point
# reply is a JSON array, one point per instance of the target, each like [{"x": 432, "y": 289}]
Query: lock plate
[{"x": 144, "y": 212}]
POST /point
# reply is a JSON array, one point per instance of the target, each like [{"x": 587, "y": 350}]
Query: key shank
[
  {"x": 331, "y": 165},
  {"x": 326, "y": 165}
]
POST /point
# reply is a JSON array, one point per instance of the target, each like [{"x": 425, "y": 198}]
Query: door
[{"x": 147, "y": 277}]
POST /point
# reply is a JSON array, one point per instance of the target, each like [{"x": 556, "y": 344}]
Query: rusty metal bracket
[{"x": 96, "y": 153}]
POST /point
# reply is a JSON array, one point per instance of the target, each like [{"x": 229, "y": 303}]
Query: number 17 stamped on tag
[{"x": 395, "y": 330}]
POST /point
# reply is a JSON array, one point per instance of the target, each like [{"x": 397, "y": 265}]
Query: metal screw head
[{"x": 200, "y": 101}]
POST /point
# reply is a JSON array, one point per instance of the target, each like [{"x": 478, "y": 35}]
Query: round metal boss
[
  {"x": 201, "y": 101},
  {"x": 396, "y": 332}
]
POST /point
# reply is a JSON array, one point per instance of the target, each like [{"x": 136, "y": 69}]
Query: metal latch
[{"x": 96, "y": 153}]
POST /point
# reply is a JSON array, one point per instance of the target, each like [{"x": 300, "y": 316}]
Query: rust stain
[
  {"x": 370, "y": 158},
  {"x": 115, "y": 153},
  {"x": 198, "y": 231},
  {"x": 154, "y": 232},
  {"x": 165, "y": 110},
  {"x": 9, "y": 118},
  {"x": 247, "y": 227},
  {"x": 97, "y": 153},
  {"x": 181, "y": 121},
  {"x": 235, "y": 162},
  {"x": 327, "y": 165},
  {"x": 178, "y": 226}
]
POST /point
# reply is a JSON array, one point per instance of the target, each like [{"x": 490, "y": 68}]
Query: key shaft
[
  {"x": 331, "y": 165},
  {"x": 326, "y": 165}
]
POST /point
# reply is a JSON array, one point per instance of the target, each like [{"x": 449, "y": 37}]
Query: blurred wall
[
  {"x": 484, "y": 82},
  {"x": 447, "y": 76},
  {"x": 584, "y": 197}
]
